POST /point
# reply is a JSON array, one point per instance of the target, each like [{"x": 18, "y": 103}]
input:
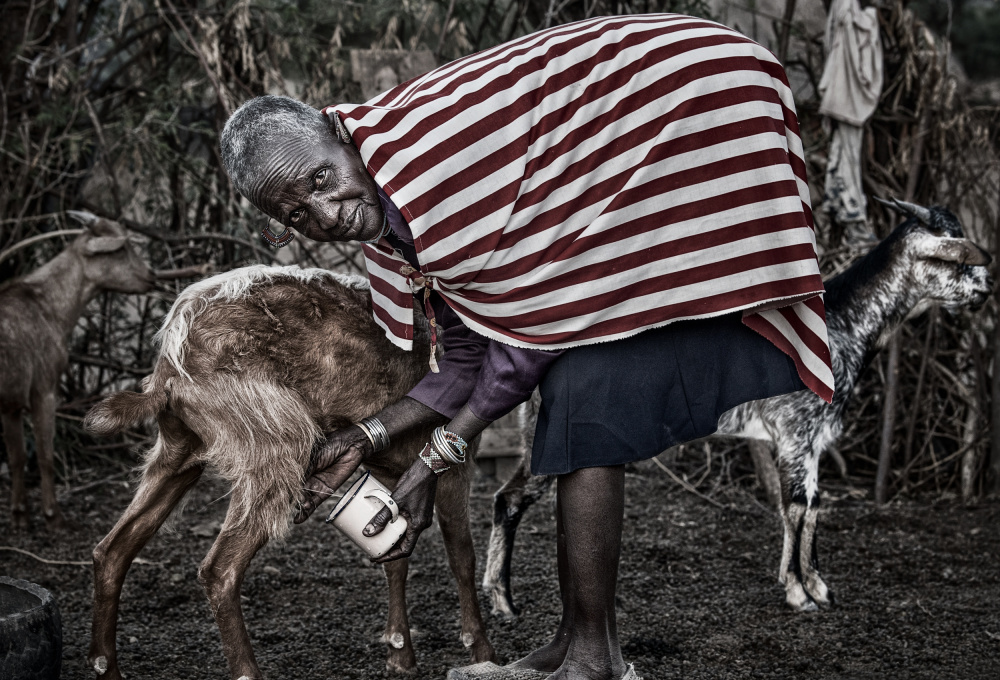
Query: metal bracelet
[
  {"x": 451, "y": 447},
  {"x": 433, "y": 460},
  {"x": 444, "y": 448},
  {"x": 364, "y": 428},
  {"x": 376, "y": 433}
]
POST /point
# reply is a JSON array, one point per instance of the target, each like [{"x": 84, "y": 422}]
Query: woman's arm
[
  {"x": 414, "y": 494},
  {"x": 339, "y": 456},
  {"x": 507, "y": 377},
  {"x": 435, "y": 399}
]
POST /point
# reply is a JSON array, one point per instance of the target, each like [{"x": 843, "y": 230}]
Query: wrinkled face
[{"x": 321, "y": 191}]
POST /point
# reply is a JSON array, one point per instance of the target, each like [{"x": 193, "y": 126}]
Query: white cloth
[
  {"x": 843, "y": 197},
  {"x": 852, "y": 76}
]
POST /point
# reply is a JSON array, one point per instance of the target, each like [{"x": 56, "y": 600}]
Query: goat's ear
[
  {"x": 922, "y": 214},
  {"x": 959, "y": 250},
  {"x": 104, "y": 244}
]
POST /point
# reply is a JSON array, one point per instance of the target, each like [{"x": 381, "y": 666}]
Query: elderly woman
[{"x": 614, "y": 211}]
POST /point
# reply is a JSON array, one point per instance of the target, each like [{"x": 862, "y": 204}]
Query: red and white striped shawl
[{"x": 590, "y": 181}]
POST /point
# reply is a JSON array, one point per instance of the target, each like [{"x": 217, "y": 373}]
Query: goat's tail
[{"x": 121, "y": 409}]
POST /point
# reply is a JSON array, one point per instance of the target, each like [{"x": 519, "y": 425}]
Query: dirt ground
[{"x": 917, "y": 589}]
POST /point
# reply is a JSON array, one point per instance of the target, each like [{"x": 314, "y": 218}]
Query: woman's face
[{"x": 321, "y": 191}]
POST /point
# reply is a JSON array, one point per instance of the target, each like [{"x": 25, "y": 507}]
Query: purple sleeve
[
  {"x": 490, "y": 376},
  {"x": 508, "y": 376},
  {"x": 448, "y": 390}
]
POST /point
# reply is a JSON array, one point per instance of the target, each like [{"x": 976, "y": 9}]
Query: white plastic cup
[{"x": 357, "y": 508}]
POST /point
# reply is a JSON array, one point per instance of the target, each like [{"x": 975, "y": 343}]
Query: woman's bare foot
[{"x": 548, "y": 658}]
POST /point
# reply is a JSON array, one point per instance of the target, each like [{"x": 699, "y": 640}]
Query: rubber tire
[{"x": 30, "y": 636}]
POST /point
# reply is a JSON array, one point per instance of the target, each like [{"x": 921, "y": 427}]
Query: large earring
[
  {"x": 277, "y": 240},
  {"x": 342, "y": 132}
]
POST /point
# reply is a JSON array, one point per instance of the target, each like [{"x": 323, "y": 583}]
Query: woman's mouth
[{"x": 356, "y": 221}]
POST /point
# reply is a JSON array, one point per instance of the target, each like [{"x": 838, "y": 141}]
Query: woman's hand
[
  {"x": 415, "y": 497},
  {"x": 332, "y": 464}
]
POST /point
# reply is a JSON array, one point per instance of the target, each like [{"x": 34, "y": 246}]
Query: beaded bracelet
[
  {"x": 376, "y": 433},
  {"x": 433, "y": 460}
]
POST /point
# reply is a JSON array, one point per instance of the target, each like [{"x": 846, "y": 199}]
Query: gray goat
[
  {"x": 255, "y": 364},
  {"x": 925, "y": 261},
  {"x": 37, "y": 314}
]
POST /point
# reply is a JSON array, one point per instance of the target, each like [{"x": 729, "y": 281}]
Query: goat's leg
[
  {"x": 401, "y": 658},
  {"x": 13, "y": 439},
  {"x": 808, "y": 559},
  {"x": 221, "y": 574},
  {"x": 509, "y": 505},
  {"x": 804, "y": 588},
  {"x": 158, "y": 493},
  {"x": 43, "y": 417},
  {"x": 790, "y": 573},
  {"x": 453, "y": 517}
]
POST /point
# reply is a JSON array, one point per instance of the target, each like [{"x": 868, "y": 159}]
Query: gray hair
[{"x": 257, "y": 127}]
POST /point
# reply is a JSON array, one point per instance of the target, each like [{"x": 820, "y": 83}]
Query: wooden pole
[
  {"x": 994, "y": 482},
  {"x": 888, "y": 420},
  {"x": 892, "y": 370},
  {"x": 767, "y": 471},
  {"x": 786, "y": 31}
]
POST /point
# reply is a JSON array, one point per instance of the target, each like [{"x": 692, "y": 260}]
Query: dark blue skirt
[{"x": 631, "y": 399}]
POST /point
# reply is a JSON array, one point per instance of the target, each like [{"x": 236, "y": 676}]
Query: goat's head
[
  {"x": 108, "y": 259},
  {"x": 948, "y": 269}
]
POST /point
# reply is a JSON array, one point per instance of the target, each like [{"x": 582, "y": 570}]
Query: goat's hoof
[
  {"x": 504, "y": 608},
  {"x": 482, "y": 651},
  {"x": 817, "y": 591},
  {"x": 397, "y": 668},
  {"x": 19, "y": 520},
  {"x": 822, "y": 602},
  {"x": 808, "y": 606},
  {"x": 798, "y": 599},
  {"x": 59, "y": 523},
  {"x": 401, "y": 659}
]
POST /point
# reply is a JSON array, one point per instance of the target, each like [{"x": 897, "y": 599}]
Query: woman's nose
[{"x": 329, "y": 212}]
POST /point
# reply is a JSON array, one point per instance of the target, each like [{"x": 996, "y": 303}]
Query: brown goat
[
  {"x": 254, "y": 366},
  {"x": 37, "y": 315}
]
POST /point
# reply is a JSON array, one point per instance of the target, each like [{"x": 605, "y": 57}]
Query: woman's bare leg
[
  {"x": 590, "y": 506},
  {"x": 550, "y": 657}
]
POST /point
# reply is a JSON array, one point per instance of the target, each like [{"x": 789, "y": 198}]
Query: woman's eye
[
  {"x": 295, "y": 216},
  {"x": 321, "y": 177}
]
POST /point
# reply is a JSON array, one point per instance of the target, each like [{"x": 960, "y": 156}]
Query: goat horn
[
  {"x": 919, "y": 212},
  {"x": 83, "y": 217}
]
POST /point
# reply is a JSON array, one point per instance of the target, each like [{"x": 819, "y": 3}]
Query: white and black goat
[
  {"x": 38, "y": 312},
  {"x": 254, "y": 366},
  {"x": 925, "y": 261}
]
